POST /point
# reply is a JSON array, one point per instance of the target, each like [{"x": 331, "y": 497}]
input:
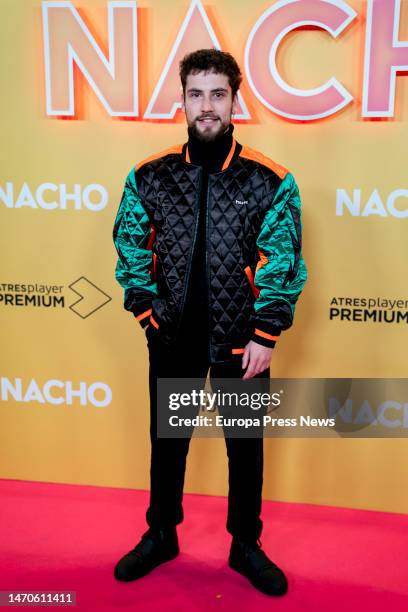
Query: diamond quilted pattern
[{"x": 238, "y": 200}]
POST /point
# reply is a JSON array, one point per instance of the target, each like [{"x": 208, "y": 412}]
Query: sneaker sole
[
  {"x": 150, "y": 569},
  {"x": 254, "y": 583}
]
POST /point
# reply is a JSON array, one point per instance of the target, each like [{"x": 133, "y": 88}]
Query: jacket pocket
[{"x": 250, "y": 278}]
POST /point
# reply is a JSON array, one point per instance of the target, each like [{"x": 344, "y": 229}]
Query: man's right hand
[{"x": 255, "y": 359}]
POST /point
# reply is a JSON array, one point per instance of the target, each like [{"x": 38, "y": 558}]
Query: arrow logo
[{"x": 91, "y": 298}]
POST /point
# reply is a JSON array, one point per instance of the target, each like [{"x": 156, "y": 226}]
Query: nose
[{"x": 206, "y": 105}]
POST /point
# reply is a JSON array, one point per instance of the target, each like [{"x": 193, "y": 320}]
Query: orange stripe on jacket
[
  {"x": 250, "y": 276},
  {"x": 151, "y": 237},
  {"x": 263, "y": 260},
  {"x": 174, "y": 149},
  {"x": 153, "y": 270},
  {"x": 249, "y": 153},
  {"x": 230, "y": 154}
]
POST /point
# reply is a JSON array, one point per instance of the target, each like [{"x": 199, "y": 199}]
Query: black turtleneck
[{"x": 211, "y": 157}]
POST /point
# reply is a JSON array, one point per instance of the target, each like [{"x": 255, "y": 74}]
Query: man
[{"x": 208, "y": 235}]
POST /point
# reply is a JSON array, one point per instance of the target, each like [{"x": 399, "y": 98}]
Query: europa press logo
[{"x": 90, "y": 297}]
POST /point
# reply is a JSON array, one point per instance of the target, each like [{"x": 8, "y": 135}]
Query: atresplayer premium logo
[
  {"x": 373, "y": 309},
  {"x": 90, "y": 297}
]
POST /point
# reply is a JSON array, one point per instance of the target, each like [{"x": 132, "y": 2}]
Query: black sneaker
[
  {"x": 248, "y": 559},
  {"x": 154, "y": 548}
]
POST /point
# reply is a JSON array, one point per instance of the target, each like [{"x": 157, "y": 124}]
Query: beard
[{"x": 208, "y": 135}]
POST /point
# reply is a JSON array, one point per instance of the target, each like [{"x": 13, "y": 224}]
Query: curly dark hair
[{"x": 211, "y": 60}]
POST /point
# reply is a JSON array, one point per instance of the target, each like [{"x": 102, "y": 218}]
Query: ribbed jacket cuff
[{"x": 265, "y": 334}]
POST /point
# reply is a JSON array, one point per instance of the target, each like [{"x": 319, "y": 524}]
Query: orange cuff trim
[
  {"x": 237, "y": 351},
  {"x": 259, "y": 332},
  {"x": 154, "y": 323},
  {"x": 144, "y": 314}
]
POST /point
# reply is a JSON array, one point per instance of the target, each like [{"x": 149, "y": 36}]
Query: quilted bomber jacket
[{"x": 255, "y": 268}]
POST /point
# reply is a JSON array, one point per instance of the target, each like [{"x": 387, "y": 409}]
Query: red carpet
[{"x": 68, "y": 537}]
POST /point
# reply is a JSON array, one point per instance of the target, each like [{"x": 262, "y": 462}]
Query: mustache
[{"x": 206, "y": 117}]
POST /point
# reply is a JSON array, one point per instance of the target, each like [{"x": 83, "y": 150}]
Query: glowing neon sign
[{"x": 113, "y": 77}]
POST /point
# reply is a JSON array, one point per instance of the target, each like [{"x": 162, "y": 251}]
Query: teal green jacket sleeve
[
  {"x": 281, "y": 271},
  {"x": 133, "y": 236}
]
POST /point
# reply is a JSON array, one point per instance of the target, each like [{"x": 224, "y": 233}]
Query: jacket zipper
[
  {"x": 208, "y": 292},
  {"x": 190, "y": 261}
]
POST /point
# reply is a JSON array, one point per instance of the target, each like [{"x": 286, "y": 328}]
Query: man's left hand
[{"x": 256, "y": 358}]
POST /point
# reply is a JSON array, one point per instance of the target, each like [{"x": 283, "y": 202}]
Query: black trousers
[{"x": 189, "y": 359}]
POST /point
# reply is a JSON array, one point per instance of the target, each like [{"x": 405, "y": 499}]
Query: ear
[
  {"x": 183, "y": 106},
  {"x": 234, "y": 107}
]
